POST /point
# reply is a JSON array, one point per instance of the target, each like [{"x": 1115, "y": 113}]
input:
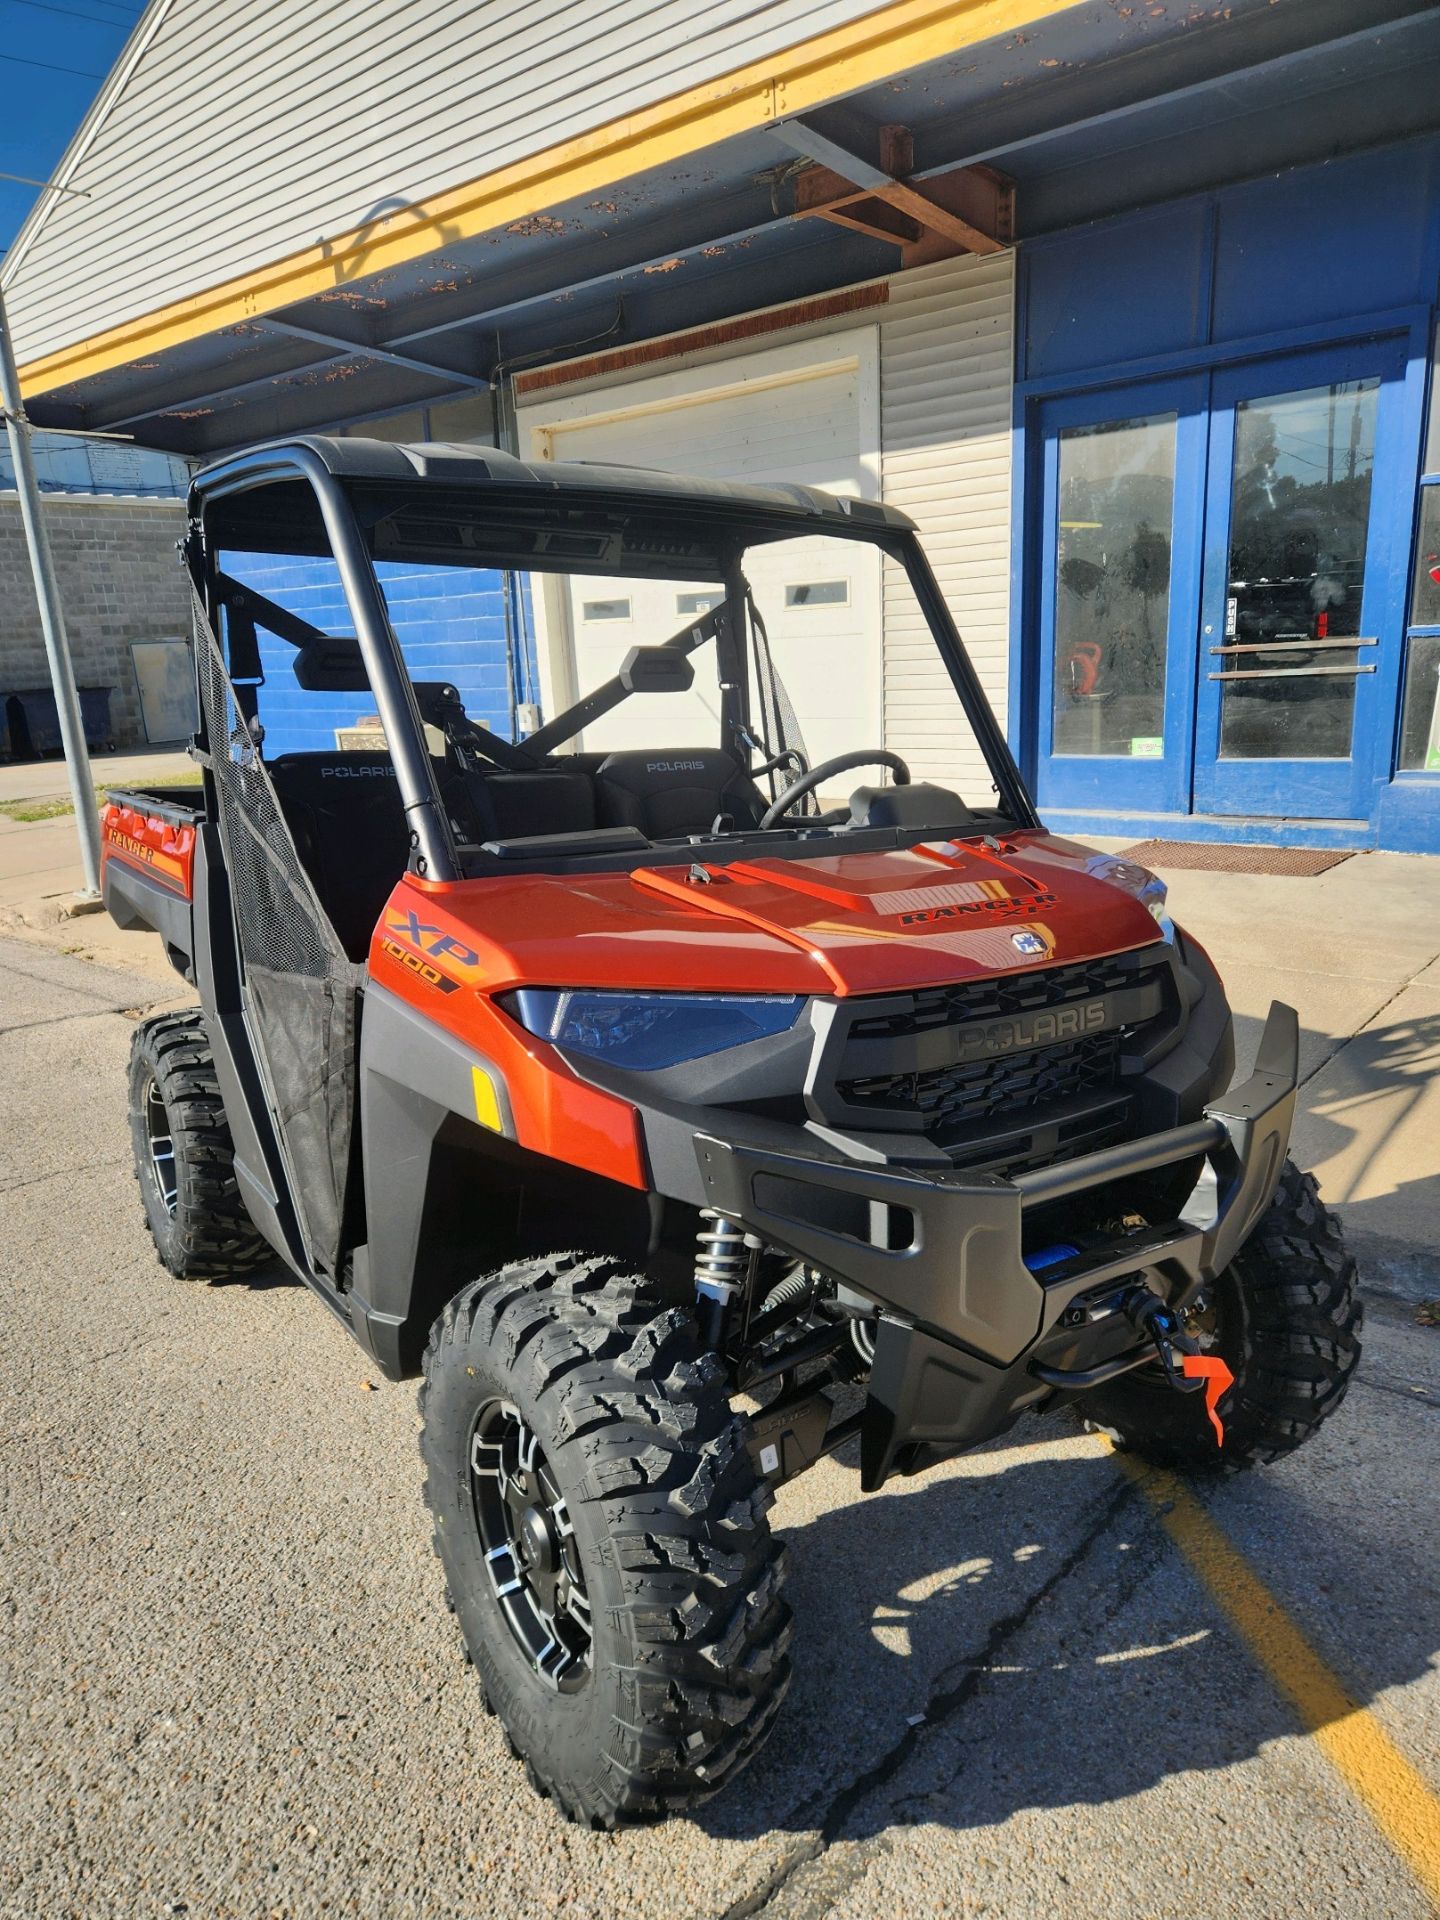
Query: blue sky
[{"x": 53, "y": 56}]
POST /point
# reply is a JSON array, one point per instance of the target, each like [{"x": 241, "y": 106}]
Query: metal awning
[{"x": 1124, "y": 105}]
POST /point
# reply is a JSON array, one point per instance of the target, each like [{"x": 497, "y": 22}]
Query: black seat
[
  {"x": 512, "y": 805},
  {"x": 350, "y": 831},
  {"x": 344, "y": 812},
  {"x": 670, "y": 793}
]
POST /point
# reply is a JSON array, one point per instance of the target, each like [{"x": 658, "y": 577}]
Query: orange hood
[{"x": 844, "y": 923}]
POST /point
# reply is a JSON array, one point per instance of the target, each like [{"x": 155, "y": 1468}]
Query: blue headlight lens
[{"x": 644, "y": 1031}]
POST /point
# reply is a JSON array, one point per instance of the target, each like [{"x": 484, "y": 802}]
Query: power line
[
  {"x": 47, "y": 6},
  {"x": 130, "y": 15},
  {"x": 81, "y": 73}
]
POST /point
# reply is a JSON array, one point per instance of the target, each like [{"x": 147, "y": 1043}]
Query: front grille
[
  {"x": 1018, "y": 1105},
  {"x": 1006, "y": 1087},
  {"x": 994, "y": 999}
]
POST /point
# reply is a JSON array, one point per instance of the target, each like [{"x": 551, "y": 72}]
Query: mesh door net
[{"x": 301, "y": 990}]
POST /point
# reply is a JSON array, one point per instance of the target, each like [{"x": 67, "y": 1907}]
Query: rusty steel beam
[{"x": 970, "y": 209}]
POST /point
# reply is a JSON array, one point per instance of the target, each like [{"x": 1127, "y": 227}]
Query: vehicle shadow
[
  {"x": 264, "y": 1279},
  {"x": 1033, "y": 1610},
  {"x": 1367, "y": 1123},
  {"x": 1038, "y": 1617}
]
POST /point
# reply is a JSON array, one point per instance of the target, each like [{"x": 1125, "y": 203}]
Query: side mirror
[
  {"x": 331, "y": 663},
  {"x": 656, "y": 670}
]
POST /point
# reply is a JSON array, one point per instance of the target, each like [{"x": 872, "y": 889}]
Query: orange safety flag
[{"x": 1218, "y": 1381}]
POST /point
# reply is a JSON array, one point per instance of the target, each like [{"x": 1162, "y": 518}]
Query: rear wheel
[
  {"x": 184, "y": 1161},
  {"x": 603, "y": 1536},
  {"x": 1285, "y": 1317}
]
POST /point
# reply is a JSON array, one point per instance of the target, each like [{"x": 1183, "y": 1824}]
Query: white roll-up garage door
[{"x": 806, "y": 412}]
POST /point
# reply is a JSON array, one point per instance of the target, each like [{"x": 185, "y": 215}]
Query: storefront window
[
  {"x": 1425, "y": 600},
  {"x": 1432, "y": 437},
  {"x": 1300, "y": 513},
  {"x": 1112, "y": 586},
  {"x": 1420, "y": 728}
]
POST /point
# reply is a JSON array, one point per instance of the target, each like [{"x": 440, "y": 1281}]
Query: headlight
[{"x": 649, "y": 1030}]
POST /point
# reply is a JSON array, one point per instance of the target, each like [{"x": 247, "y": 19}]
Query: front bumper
[{"x": 964, "y": 1322}]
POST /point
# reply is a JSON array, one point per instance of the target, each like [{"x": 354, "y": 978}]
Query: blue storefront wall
[
  {"x": 452, "y": 624},
  {"x": 1308, "y": 260}
]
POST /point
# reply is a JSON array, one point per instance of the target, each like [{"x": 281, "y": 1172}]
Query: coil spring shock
[{"x": 722, "y": 1262}]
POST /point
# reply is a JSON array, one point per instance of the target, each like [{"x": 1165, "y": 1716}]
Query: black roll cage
[{"x": 772, "y": 512}]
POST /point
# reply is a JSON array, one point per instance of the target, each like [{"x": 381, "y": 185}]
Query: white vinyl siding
[
  {"x": 249, "y": 131},
  {"x": 805, "y": 412},
  {"x": 946, "y": 358}
]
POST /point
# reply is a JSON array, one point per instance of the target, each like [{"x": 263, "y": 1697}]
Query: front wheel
[
  {"x": 603, "y": 1535},
  {"x": 1285, "y": 1317}
]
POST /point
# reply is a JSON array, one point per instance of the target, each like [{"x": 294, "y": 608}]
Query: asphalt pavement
[{"x": 1026, "y": 1686}]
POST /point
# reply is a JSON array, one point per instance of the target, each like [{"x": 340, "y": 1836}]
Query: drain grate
[{"x": 1206, "y": 856}]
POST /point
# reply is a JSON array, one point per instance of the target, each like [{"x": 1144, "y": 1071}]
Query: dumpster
[{"x": 32, "y": 725}]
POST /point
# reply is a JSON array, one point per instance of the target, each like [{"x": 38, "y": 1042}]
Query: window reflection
[
  {"x": 1425, "y": 600},
  {"x": 1300, "y": 514},
  {"x": 1112, "y": 586},
  {"x": 1420, "y": 728}
]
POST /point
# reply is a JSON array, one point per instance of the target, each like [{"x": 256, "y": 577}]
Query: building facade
[
  {"x": 114, "y": 517},
  {"x": 1225, "y": 550},
  {"x": 1134, "y": 312}
]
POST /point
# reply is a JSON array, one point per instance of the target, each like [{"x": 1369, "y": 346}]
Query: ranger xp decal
[
  {"x": 422, "y": 969},
  {"x": 425, "y": 937},
  {"x": 1006, "y": 906}
]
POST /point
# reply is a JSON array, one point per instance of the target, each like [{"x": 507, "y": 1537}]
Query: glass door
[
  {"x": 1123, "y": 488},
  {"x": 1299, "y": 582}
]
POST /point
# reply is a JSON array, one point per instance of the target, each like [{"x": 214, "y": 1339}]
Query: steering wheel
[{"x": 818, "y": 775}]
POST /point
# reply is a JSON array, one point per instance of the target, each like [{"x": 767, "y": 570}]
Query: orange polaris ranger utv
[{"x": 678, "y": 1106}]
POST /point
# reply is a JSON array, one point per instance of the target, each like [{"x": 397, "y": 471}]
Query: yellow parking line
[{"x": 1400, "y": 1801}]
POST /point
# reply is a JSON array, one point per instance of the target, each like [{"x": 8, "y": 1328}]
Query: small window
[
  {"x": 687, "y": 604},
  {"x": 1420, "y": 730},
  {"x": 1425, "y": 596},
  {"x": 604, "y": 610},
  {"x": 818, "y": 593},
  {"x": 1420, "y": 724}
]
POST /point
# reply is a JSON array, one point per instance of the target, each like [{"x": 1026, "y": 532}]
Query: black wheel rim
[
  {"x": 161, "y": 1143},
  {"x": 529, "y": 1545}
]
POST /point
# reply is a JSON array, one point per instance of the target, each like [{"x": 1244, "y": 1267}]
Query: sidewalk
[
  {"x": 137, "y": 766},
  {"x": 1355, "y": 950},
  {"x": 40, "y": 869}
]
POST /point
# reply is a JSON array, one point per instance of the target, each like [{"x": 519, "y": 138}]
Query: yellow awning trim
[{"x": 889, "y": 41}]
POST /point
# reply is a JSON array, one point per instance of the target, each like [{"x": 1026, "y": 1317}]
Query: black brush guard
[{"x": 968, "y": 1335}]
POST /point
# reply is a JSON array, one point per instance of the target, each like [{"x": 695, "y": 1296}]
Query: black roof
[{"x": 463, "y": 465}]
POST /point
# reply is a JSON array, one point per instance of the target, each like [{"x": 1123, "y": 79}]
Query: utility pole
[{"x": 52, "y": 618}]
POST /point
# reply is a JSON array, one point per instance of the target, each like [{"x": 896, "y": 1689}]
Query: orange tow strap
[{"x": 1218, "y": 1382}]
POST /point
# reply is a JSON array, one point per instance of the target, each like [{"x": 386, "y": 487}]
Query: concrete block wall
[{"x": 120, "y": 581}]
